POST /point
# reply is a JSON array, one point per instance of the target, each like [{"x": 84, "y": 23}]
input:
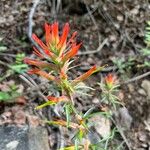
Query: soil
[{"x": 120, "y": 24}]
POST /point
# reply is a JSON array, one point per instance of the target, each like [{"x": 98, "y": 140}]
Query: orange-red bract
[
  {"x": 57, "y": 99},
  {"x": 110, "y": 80},
  {"x": 43, "y": 74},
  {"x": 85, "y": 75},
  {"x": 56, "y": 47}
]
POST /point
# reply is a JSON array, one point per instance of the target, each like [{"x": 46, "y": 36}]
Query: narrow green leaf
[
  {"x": 49, "y": 103},
  {"x": 67, "y": 111},
  {"x": 76, "y": 144},
  {"x": 68, "y": 148}
]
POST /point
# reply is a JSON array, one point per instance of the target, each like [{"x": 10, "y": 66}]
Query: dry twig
[
  {"x": 32, "y": 83},
  {"x": 122, "y": 134},
  {"x": 92, "y": 18},
  {"x": 95, "y": 51},
  {"x": 30, "y": 24},
  {"x": 137, "y": 78}
]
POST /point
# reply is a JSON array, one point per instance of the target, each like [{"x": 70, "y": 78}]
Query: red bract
[
  {"x": 56, "y": 46},
  {"x": 85, "y": 75},
  {"x": 42, "y": 73},
  {"x": 73, "y": 51},
  {"x": 57, "y": 99},
  {"x": 110, "y": 80},
  {"x": 37, "y": 63},
  {"x": 40, "y": 64}
]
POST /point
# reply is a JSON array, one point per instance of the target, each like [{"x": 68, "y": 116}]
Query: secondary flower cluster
[
  {"x": 110, "y": 81},
  {"x": 54, "y": 59}
]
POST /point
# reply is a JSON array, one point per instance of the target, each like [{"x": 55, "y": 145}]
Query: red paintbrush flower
[
  {"x": 57, "y": 48},
  {"x": 56, "y": 54}
]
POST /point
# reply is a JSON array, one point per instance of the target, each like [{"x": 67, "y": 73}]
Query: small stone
[
  {"x": 20, "y": 88},
  {"x": 147, "y": 124},
  {"x": 1, "y": 38},
  {"x": 15, "y": 12},
  {"x": 125, "y": 118},
  {"x": 117, "y": 25},
  {"x": 142, "y": 92},
  {"x": 144, "y": 145},
  {"x": 2, "y": 20},
  {"x": 112, "y": 38},
  {"x": 129, "y": 96},
  {"x": 90, "y": 60},
  {"x": 118, "y": 1},
  {"x": 142, "y": 137},
  {"x": 12, "y": 145},
  {"x": 6, "y": 6},
  {"x": 20, "y": 117},
  {"x": 131, "y": 88},
  {"x": 120, "y": 17},
  {"x": 7, "y": 121},
  {"x": 134, "y": 11},
  {"x": 88, "y": 2},
  {"x": 101, "y": 124},
  {"x": 11, "y": 18},
  {"x": 121, "y": 95},
  {"x": 95, "y": 100},
  {"x": 6, "y": 115},
  {"x": 139, "y": 148},
  {"x": 146, "y": 86},
  {"x": 23, "y": 138},
  {"x": 34, "y": 121}
]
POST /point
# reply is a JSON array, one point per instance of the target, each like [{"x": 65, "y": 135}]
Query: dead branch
[
  {"x": 137, "y": 78},
  {"x": 122, "y": 133},
  {"x": 30, "y": 24},
  {"x": 95, "y": 51},
  {"x": 92, "y": 18},
  {"x": 32, "y": 83}
]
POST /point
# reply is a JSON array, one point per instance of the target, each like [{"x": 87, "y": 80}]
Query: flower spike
[
  {"x": 110, "y": 80},
  {"x": 56, "y": 55}
]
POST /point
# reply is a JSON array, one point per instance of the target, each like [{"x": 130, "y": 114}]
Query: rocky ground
[{"x": 112, "y": 33}]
